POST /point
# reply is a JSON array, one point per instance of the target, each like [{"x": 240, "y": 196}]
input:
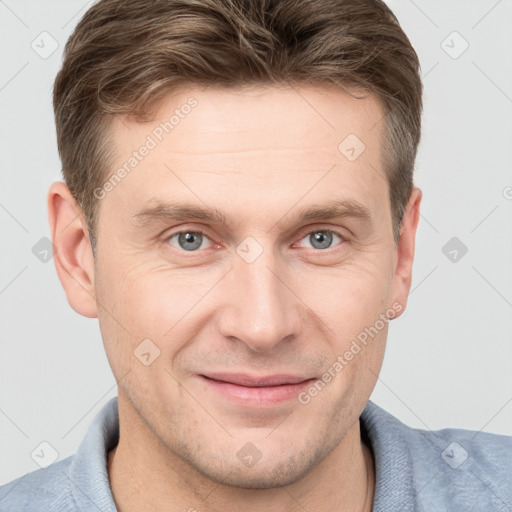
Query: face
[{"x": 247, "y": 339}]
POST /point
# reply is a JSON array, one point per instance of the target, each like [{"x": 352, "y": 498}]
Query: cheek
[
  {"x": 348, "y": 299},
  {"x": 146, "y": 300},
  {"x": 149, "y": 301}
]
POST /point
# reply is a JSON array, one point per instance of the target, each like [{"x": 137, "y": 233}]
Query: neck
[{"x": 144, "y": 475}]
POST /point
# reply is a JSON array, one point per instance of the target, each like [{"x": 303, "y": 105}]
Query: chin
[
  {"x": 261, "y": 479},
  {"x": 263, "y": 475}
]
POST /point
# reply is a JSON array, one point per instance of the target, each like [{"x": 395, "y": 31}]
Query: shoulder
[
  {"x": 462, "y": 469},
  {"x": 452, "y": 446},
  {"x": 78, "y": 482},
  {"x": 492, "y": 452},
  {"x": 467, "y": 469},
  {"x": 45, "y": 489}
]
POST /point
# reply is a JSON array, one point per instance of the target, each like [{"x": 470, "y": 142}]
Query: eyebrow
[{"x": 335, "y": 209}]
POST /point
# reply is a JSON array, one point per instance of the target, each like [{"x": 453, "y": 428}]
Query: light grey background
[{"x": 449, "y": 357}]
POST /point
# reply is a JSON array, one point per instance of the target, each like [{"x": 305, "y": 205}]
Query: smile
[{"x": 249, "y": 391}]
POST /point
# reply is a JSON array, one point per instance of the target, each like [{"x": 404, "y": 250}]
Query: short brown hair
[{"x": 124, "y": 55}]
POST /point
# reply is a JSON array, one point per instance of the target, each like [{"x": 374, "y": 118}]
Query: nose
[{"x": 260, "y": 307}]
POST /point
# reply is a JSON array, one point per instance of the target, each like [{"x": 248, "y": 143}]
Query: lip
[
  {"x": 256, "y": 391},
  {"x": 242, "y": 379}
]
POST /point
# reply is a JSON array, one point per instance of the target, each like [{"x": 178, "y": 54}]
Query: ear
[
  {"x": 405, "y": 250},
  {"x": 73, "y": 257}
]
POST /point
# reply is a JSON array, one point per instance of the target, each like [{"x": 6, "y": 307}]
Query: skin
[{"x": 259, "y": 155}]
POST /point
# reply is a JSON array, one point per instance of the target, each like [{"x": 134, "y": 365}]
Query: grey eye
[
  {"x": 188, "y": 240},
  {"x": 321, "y": 239}
]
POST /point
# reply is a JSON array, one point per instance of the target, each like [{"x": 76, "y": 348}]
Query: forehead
[
  {"x": 267, "y": 143},
  {"x": 262, "y": 118}
]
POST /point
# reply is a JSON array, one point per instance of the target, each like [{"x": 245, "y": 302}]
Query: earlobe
[
  {"x": 405, "y": 250},
  {"x": 73, "y": 257}
]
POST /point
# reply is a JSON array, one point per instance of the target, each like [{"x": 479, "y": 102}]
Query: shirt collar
[
  {"x": 382, "y": 432},
  {"x": 394, "y": 485},
  {"x": 88, "y": 471}
]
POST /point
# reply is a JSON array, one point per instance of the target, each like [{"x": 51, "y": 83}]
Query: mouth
[{"x": 256, "y": 391}]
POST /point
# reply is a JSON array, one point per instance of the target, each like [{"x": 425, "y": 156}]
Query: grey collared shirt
[{"x": 416, "y": 470}]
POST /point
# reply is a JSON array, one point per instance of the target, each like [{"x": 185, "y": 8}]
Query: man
[{"x": 239, "y": 213}]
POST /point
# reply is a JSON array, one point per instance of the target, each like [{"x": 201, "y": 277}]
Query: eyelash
[{"x": 203, "y": 233}]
